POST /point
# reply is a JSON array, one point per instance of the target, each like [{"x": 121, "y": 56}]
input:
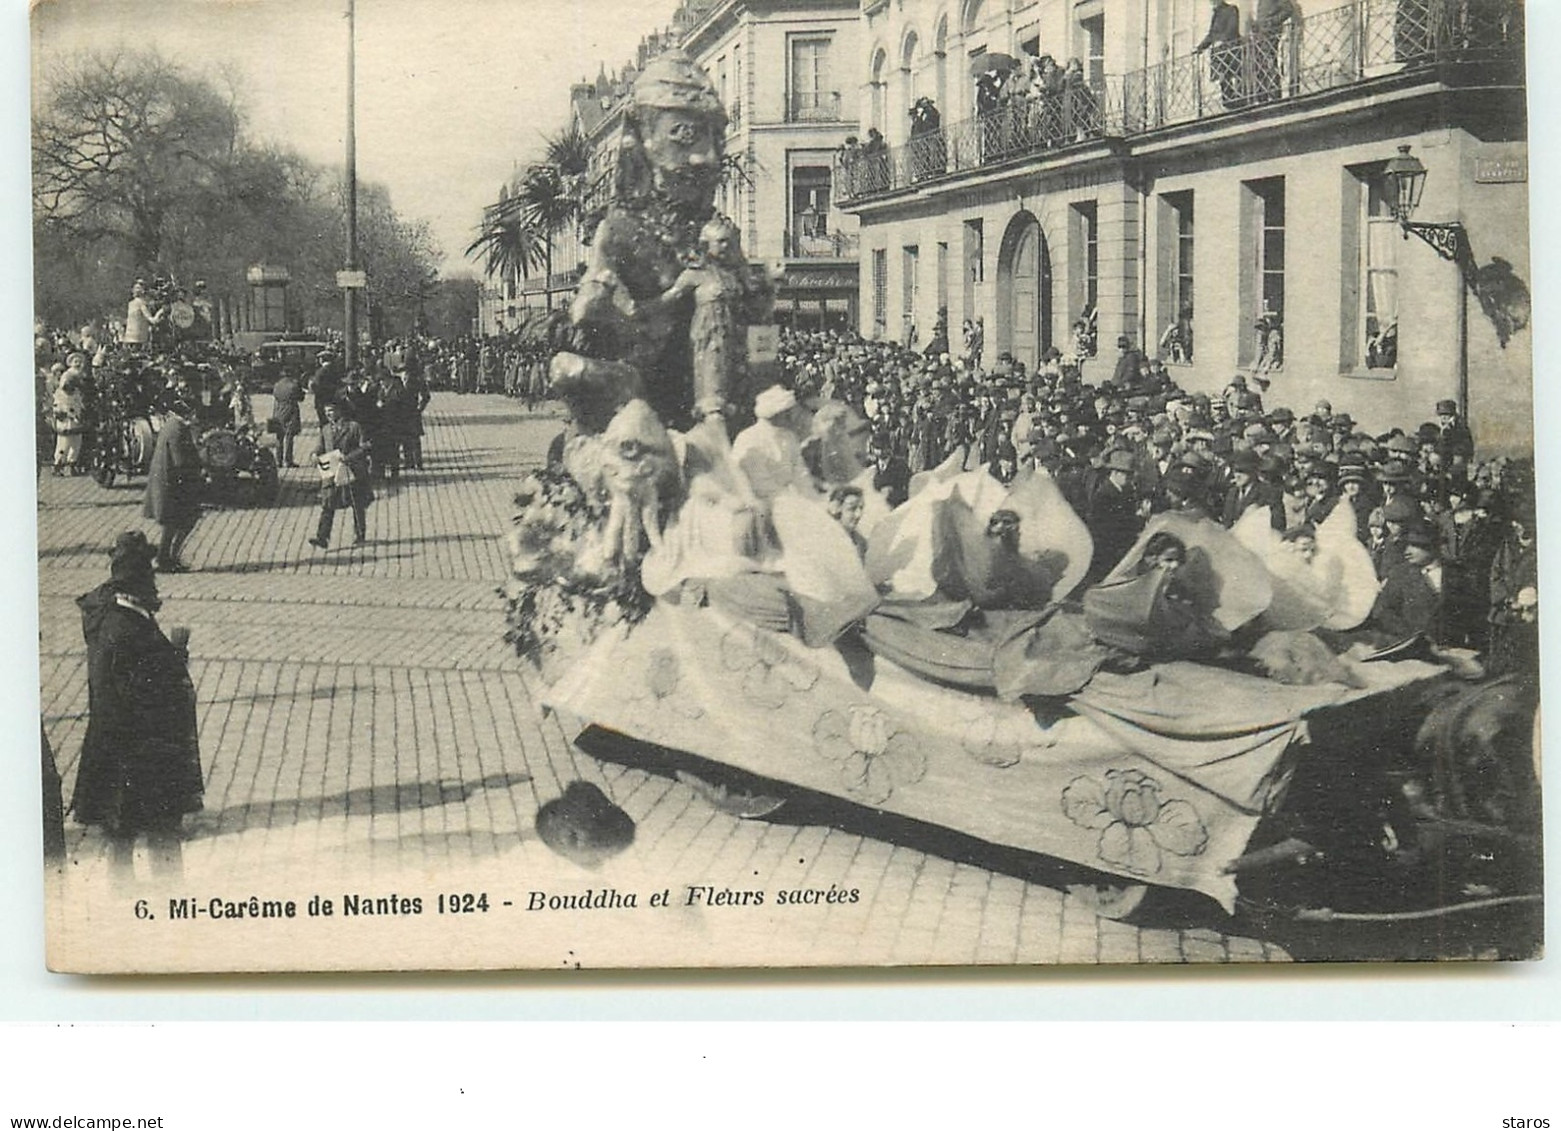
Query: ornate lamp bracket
[{"x": 1450, "y": 241}]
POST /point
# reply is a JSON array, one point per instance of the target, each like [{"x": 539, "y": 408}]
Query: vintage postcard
[{"x": 747, "y": 483}]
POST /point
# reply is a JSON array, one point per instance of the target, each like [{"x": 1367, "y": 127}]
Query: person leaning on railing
[{"x": 1223, "y": 43}]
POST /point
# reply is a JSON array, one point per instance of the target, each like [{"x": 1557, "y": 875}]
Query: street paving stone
[{"x": 361, "y": 704}]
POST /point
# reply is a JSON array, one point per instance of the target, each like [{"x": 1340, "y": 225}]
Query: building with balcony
[
  {"x": 1223, "y": 205},
  {"x": 786, "y": 72}
]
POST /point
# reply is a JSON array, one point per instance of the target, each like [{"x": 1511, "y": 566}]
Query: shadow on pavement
[{"x": 390, "y": 798}]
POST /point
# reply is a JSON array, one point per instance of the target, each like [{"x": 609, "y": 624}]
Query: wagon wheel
[
  {"x": 110, "y": 457},
  {"x": 267, "y": 479},
  {"x": 1109, "y": 900}
]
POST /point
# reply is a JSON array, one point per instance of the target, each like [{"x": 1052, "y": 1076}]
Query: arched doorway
[{"x": 1024, "y": 292}]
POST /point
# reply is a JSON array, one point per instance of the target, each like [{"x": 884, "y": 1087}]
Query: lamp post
[
  {"x": 1403, "y": 181},
  {"x": 350, "y": 296}
]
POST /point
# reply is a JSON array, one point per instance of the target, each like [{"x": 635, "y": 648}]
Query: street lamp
[{"x": 1403, "y": 181}]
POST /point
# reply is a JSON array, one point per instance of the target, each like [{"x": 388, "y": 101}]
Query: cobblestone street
[{"x": 361, "y": 704}]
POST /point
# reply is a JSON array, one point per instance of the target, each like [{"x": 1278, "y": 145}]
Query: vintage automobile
[
  {"x": 297, "y": 357},
  {"x": 236, "y": 464}
]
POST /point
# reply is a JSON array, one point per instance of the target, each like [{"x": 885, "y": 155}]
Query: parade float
[{"x": 939, "y": 674}]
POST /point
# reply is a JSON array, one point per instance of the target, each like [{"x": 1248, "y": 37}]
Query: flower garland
[{"x": 556, "y": 603}]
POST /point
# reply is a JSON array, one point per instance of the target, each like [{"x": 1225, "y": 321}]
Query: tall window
[
  {"x": 811, "y": 96},
  {"x": 1089, "y": 214},
  {"x": 1262, "y": 268},
  {"x": 1271, "y": 249},
  {"x": 1083, "y": 270},
  {"x": 1379, "y": 278},
  {"x": 810, "y": 210},
  {"x": 912, "y": 274},
  {"x": 1176, "y": 236},
  {"x": 720, "y": 80},
  {"x": 943, "y": 275},
  {"x": 880, "y": 290},
  {"x": 1093, "y": 42},
  {"x": 975, "y": 271},
  {"x": 1179, "y": 26}
]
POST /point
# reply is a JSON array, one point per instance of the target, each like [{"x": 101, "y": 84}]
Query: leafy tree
[
  {"x": 126, "y": 145},
  {"x": 140, "y": 166}
]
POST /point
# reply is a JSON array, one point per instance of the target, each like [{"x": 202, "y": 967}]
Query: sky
[{"x": 451, "y": 94}]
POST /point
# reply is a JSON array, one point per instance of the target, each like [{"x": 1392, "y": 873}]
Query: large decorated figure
[{"x": 632, "y": 319}]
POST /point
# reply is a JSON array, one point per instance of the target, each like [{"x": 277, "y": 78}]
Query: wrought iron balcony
[
  {"x": 1054, "y": 120},
  {"x": 833, "y": 245},
  {"x": 813, "y": 106},
  {"x": 1356, "y": 43}
]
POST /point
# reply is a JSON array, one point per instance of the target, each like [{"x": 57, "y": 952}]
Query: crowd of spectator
[{"x": 1451, "y": 532}]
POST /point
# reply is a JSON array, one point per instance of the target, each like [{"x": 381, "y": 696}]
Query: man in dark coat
[
  {"x": 1113, "y": 515},
  {"x": 1411, "y": 598},
  {"x": 1129, "y": 361},
  {"x": 1248, "y": 490},
  {"x": 1454, "y": 440},
  {"x": 173, "y": 486},
  {"x": 891, "y": 476},
  {"x": 360, "y": 402},
  {"x": 396, "y": 412},
  {"x": 418, "y": 396},
  {"x": 286, "y": 416},
  {"x": 1223, "y": 43},
  {"x": 140, "y": 769},
  {"x": 344, "y": 476},
  {"x": 326, "y": 383}
]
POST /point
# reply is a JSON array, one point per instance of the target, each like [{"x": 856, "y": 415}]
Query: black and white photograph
[{"x": 655, "y": 484}]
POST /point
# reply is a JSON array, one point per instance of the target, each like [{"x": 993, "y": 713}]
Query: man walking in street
[
  {"x": 344, "y": 476},
  {"x": 173, "y": 486},
  {"x": 286, "y": 417}
]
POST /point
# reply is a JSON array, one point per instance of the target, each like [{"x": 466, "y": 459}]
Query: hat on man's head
[
  {"x": 130, "y": 559},
  {"x": 1419, "y": 534},
  {"x": 1394, "y": 471},
  {"x": 1352, "y": 473},
  {"x": 773, "y": 401},
  {"x": 1282, "y": 416},
  {"x": 1447, "y": 408},
  {"x": 1400, "y": 508},
  {"x": 1245, "y": 459},
  {"x": 1402, "y": 445},
  {"x": 1120, "y": 459}
]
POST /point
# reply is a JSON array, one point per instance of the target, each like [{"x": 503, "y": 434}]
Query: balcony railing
[
  {"x": 833, "y": 245},
  {"x": 1354, "y": 43},
  {"x": 813, "y": 106},
  {"x": 1076, "y": 115}
]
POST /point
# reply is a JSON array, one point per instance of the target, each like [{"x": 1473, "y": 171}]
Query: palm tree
[
  {"x": 549, "y": 204},
  {"x": 507, "y": 242}
]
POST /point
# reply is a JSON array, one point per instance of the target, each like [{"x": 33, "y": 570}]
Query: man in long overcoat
[
  {"x": 140, "y": 768},
  {"x": 173, "y": 486}
]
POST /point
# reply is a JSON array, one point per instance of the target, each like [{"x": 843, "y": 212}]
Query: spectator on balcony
[
  {"x": 875, "y": 143},
  {"x": 1269, "y": 23},
  {"x": 1044, "y": 98},
  {"x": 1223, "y": 43},
  {"x": 1080, "y": 107},
  {"x": 927, "y": 157}
]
